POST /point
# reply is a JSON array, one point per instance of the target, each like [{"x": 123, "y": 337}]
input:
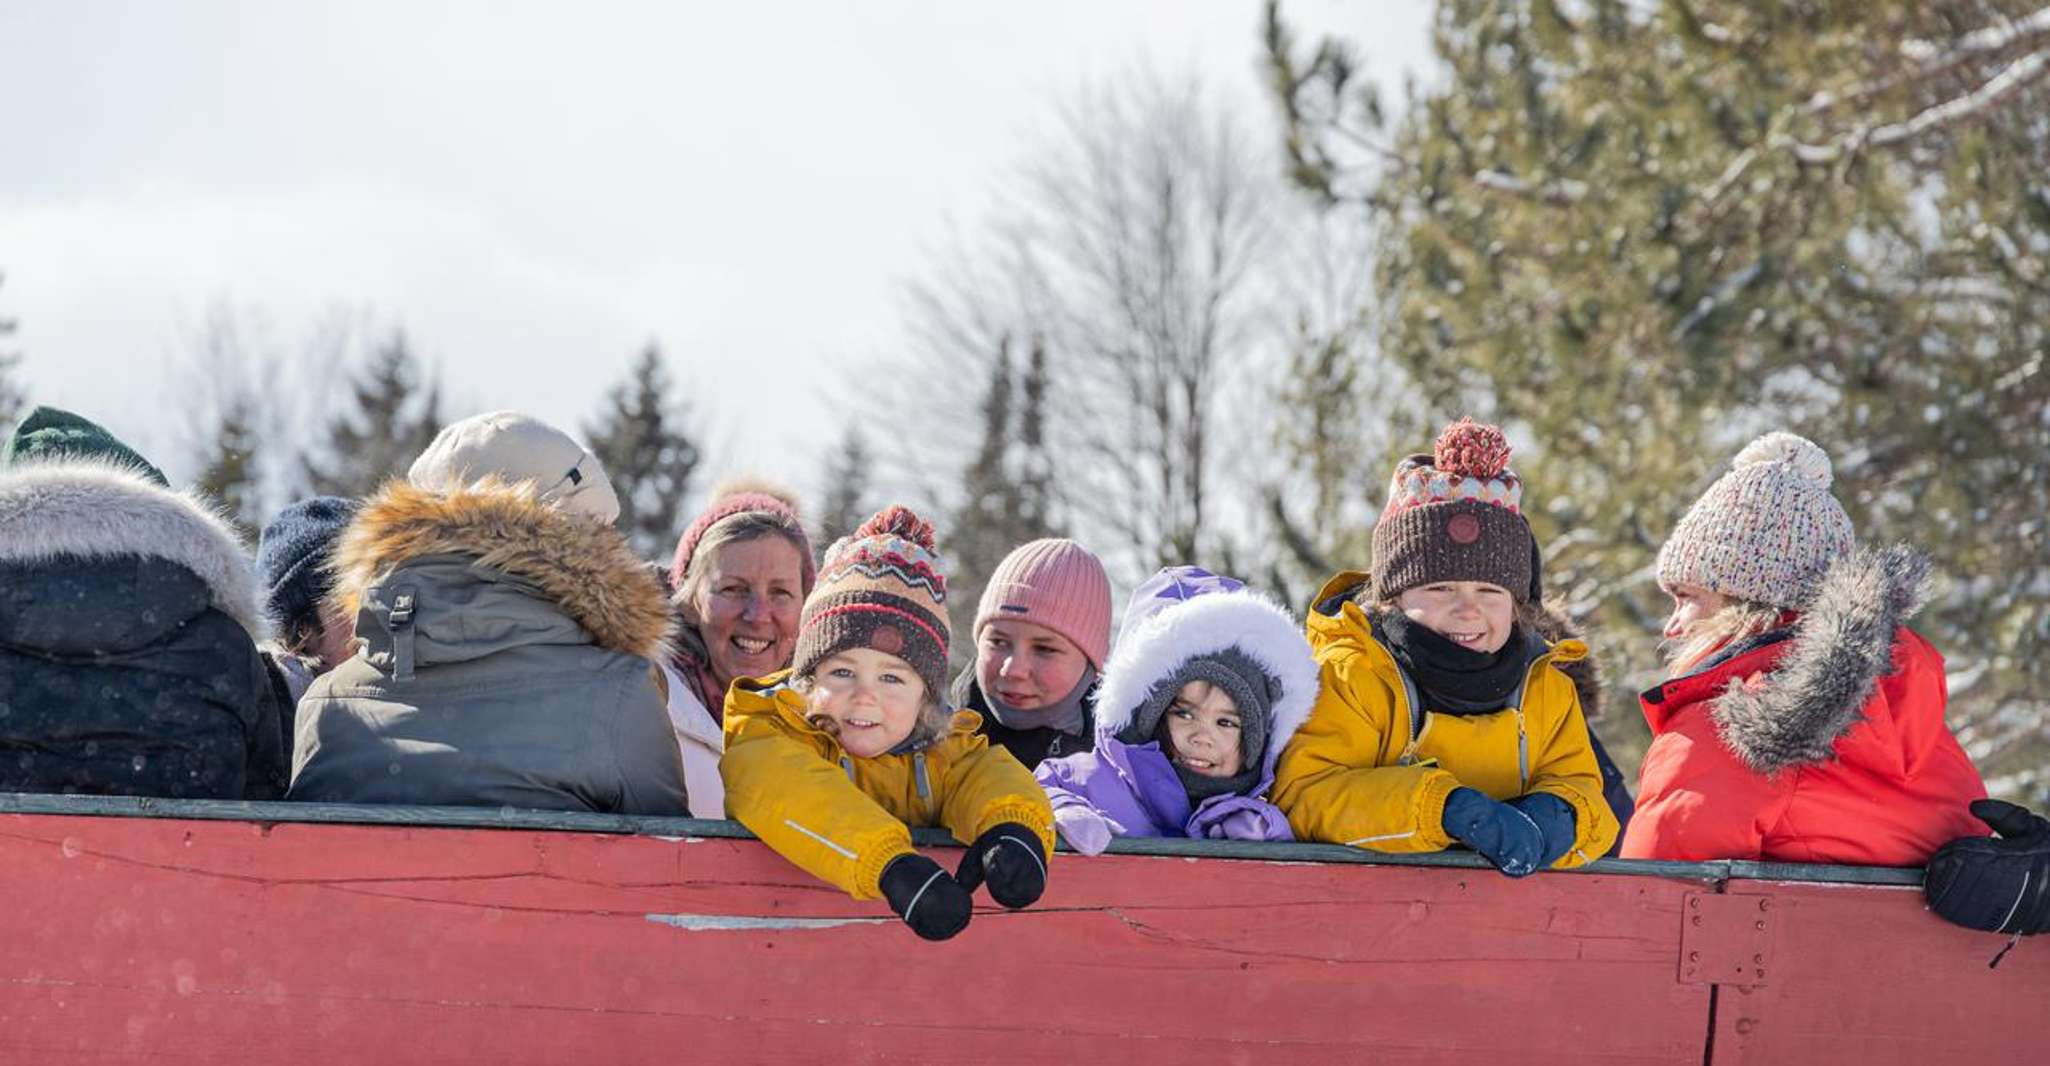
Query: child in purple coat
[{"x": 1207, "y": 682}]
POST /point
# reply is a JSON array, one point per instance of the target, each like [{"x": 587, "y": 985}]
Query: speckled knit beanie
[
  {"x": 880, "y": 588},
  {"x": 1764, "y": 532},
  {"x": 1456, "y": 515}
]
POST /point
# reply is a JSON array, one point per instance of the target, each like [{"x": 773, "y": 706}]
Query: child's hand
[
  {"x": 1554, "y": 818},
  {"x": 933, "y": 904},
  {"x": 1085, "y": 830},
  {"x": 1010, "y": 857},
  {"x": 1501, "y": 834}
]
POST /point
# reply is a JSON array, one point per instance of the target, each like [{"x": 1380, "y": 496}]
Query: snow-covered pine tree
[{"x": 646, "y": 451}]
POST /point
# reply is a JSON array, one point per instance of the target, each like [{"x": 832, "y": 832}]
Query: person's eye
[
  {"x": 892, "y": 679},
  {"x": 1180, "y": 712},
  {"x": 1227, "y": 723},
  {"x": 840, "y": 672}
]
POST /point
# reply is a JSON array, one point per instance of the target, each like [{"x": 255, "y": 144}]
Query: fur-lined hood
[
  {"x": 97, "y": 510},
  {"x": 585, "y": 569},
  {"x": 1156, "y": 649},
  {"x": 1838, "y": 650}
]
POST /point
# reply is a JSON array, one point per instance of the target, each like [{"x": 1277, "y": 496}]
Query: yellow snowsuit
[
  {"x": 842, "y": 819},
  {"x": 1372, "y": 769}
]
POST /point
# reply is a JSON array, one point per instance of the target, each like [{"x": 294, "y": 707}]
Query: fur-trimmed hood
[
  {"x": 585, "y": 569},
  {"x": 100, "y": 510},
  {"x": 1158, "y": 646},
  {"x": 1838, "y": 650}
]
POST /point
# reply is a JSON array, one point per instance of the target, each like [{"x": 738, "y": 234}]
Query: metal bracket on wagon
[{"x": 1725, "y": 940}]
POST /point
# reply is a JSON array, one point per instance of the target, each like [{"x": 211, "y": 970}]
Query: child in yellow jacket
[
  {"x": 1442, "y": 718},
  {"x": 832, "y": 761}
]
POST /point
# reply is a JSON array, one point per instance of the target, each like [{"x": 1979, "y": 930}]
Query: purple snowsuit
[{"x": 1177, "y": 617}]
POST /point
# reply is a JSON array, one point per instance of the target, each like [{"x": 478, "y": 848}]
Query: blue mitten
[
  {"x": 1501, "y": 834},
  {"x": 1555, "y": 819}
]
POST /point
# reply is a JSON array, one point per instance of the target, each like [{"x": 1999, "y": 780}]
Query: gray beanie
[
  {"x": 1250, "y": 688},
  {"x": 1766, "y": 531}
]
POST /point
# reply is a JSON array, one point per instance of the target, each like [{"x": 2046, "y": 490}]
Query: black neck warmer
[{"x": 1452, "y": 679}]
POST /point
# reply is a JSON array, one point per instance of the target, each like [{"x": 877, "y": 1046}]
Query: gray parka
[{"x": 505, "y": 659}]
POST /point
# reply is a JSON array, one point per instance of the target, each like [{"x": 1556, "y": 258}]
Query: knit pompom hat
[
  {"x": 1764, "y": 532},
  {"x": 737, "y": 498},
  {"x": 880, "y": 588},
  {"x": 1456, "y": 515},
  {"x": 1055, "y": 583}
]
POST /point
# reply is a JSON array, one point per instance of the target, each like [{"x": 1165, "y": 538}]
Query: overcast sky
[{"x": 535, "y": 191}]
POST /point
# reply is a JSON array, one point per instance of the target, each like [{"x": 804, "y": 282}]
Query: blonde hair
[
  {"x": 934, "y": 716},
  {"x": 735, "y": 528},
  {"x": 1736, "y": 620}
]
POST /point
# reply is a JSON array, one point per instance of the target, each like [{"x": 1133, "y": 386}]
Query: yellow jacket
[
  {"x": 1372, "y": 769},
  {"x": 842, "y": 819}
]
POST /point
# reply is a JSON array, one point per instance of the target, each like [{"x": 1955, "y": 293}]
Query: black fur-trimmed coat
[{"x": 129, "y": 617}]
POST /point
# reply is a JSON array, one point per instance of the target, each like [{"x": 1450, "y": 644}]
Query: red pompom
[
  {"x": 1472, "y": 449},
  {"x": 898, "y": 520}
]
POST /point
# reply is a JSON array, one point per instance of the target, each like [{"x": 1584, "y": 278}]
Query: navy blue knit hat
[{"x": 292, "y": 555}]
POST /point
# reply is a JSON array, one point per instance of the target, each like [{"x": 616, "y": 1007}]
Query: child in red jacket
[{"x": 1803, "y": 721}]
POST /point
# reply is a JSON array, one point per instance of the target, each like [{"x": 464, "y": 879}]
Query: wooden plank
[
  {"x": 151, "y": 940},
  {"x": 1868, "y": 975},
  {"x": 583, "y": 821}
]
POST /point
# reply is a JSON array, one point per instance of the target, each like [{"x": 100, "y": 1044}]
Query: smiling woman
[{"x": 741, "y": 573}]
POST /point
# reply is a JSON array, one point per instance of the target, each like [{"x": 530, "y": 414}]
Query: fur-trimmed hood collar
[
  {"x": 1831, "y": 661},
  {"x": 1158, "y": 647},
  {"x": 98, "y": 510},
  {"x": 585, "y": 569}
]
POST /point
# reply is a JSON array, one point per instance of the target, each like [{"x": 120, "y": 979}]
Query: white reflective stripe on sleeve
[
  {"x": 1378, "y": 839},
  {"x": 843, "y": 851}
]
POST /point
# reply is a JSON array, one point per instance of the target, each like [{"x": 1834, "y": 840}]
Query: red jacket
[{"x": 1830, "y": 748}]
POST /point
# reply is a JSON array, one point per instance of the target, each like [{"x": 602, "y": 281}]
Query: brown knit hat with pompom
[
  {"x": 1456, "y": 515},
  {"x": 880, "y": 588}
]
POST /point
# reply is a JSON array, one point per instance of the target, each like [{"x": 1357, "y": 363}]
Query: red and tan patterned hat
[{"x": 880, "y": 588}]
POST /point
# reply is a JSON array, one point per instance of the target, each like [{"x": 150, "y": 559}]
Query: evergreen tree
[
  {"x": 13, "y": 401},
  {"x": 652, "y": 461},
  {"x": 846, "y": 495},
  {"x": 231, "y": 474},
  {"x": 1640, "y": 234},
  {"x": 391, "y": 422}
]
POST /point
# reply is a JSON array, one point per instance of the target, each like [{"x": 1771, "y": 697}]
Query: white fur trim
[
  {"x": 1246, "y": 620},
  {"x": 97, "y": 510}
]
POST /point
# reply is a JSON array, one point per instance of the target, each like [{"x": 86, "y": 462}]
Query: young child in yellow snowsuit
[
  {"x": 832, "y": 761},
  {"x": 1443, "y": 719}
]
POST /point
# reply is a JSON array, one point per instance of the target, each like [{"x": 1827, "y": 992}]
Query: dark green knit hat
[{"x": 51, "y": 435}]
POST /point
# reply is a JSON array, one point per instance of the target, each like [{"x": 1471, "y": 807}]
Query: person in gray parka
[{"x": 506, "y": 639}]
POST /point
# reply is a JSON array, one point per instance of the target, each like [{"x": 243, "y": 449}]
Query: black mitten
[
  {"x": 1010, "y": 857},
  {"x": 933, "y": 904},
  {"x": 1998, "y": 884}
]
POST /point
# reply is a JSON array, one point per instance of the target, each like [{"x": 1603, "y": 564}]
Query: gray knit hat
[{"x": 1764, "y": 532}]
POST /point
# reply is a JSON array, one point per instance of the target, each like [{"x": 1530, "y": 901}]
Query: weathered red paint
[{"x": 156, "y": 940}]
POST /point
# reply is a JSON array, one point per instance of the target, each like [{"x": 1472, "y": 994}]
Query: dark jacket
[
  {"x": 129, "y": 617},
  {"x": 1028, "y": 746},
  {"x": 506, "y": 660}
]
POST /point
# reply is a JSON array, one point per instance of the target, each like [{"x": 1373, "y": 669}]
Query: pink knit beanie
[
  {"x": 1054, "y": 583},
  {"x": 742, "y": 498}
]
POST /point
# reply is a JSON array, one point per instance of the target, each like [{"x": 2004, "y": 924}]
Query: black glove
[
  {"x": 1998, "y": 884},
  {"x": 1010, "y": 857},
  {"x": 934, "y": 905}
]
